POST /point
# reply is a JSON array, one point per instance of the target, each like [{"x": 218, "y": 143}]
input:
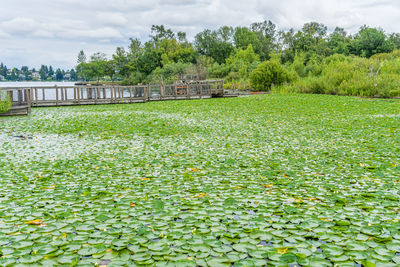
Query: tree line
[
  {"x": 230, "y": 53},
  {"x": 45, "y": 73}
]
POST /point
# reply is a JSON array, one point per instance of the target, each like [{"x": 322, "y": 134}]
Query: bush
[
  {"x": 270, "y": 73},
  {"x": 5, "y": 102}
]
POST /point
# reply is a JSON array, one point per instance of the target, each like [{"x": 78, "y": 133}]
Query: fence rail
[{"x": 23, "y": 98}]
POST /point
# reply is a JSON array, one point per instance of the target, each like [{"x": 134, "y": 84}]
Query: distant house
[
  {"x": 36, "y": 75},
  {"x": 2, "y": 78},
  {"x": 67, "y": 76}
]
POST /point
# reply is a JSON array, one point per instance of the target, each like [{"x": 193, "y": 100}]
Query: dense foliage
[
  {"x": 309, "y": 180},
  {"x": 234, "y": 53},
  {"x": 5, "y": 102},
  {"x": 268, "y": 74},
  {"x": 350, "y": 75}
]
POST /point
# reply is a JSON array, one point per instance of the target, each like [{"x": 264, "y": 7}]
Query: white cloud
[
  {"x": 111, "y": 18},
  {"x": 19, "y": 25},
  {"x": 46, "y": 31},
  {"x": 101, "y": 33}
]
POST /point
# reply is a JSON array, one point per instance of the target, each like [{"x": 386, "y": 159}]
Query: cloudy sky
[{"x": 52, "y": 32}]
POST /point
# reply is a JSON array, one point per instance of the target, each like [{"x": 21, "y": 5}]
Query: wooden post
[
  {"x": 19, "y": 97},
  {"x": 56, "y": 96},
  {"x": 36, "y": 96},
  {"x": 28, "y": 100}
]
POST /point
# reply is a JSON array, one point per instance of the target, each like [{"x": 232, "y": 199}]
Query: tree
[
  {"x": 242, "y": 63},
  {"x": 160, "y": 33},
  {"x": 243, "y": 37},
  {"x": 370, "y": 41},
  {"x": 214, "y": 44},
  {"x": 287, "y": 45},
  {"x": 81, "y": 57},
  {"x": 120, "y": 62},
  {"x": 74, "y": 75},
  {"x": 98, "y": 65},
  {"x": 395, "y": 39},
  {"x": 149, "y": 61},
  {"x": 312, "y": 39},
  {"x": 266, "y": 33},
  {"x": 59, "y": 75},
  {"x": 43, "y": 72},
  {"x": 182, "y": 37},
  {"x": 110, "y": 69},
  {"x": 51, "y": 72},
  {"x": 339, "y": 42}
]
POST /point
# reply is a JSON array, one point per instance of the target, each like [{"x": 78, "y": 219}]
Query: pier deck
[{"x": 23, "y": 98}]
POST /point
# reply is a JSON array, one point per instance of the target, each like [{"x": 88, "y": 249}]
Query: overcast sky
[{"x": 52, "y": 32}]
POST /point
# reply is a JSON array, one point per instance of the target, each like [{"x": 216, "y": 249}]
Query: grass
[{"x": 276, "y": 179}]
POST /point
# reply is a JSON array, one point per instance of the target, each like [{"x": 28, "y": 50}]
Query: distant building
[
  {"x": 36, "y": 75},
  {"x": 67, "y": 76},
  {"x": 2, "y": 78}
]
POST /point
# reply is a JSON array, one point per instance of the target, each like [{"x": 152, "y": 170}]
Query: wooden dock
[
  {"x": 50, "y": 96},
  {"x": 21, "y": 100}
]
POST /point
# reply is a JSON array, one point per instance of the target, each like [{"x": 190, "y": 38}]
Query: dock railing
[
  {"x": 20, "y": 100},
  {"x": 47, "y": 96}
]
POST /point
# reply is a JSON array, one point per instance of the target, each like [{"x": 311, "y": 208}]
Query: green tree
[
  {"x": 98, "y": 65},
  {"x": 149, "y": 60},
  {"x": 287, "y": 45},
  {"x": 395, "y": 39},
  {"x": 339, "y": 42},
  {"x": 214, "y": 44},
  {"x": 74, "y": 75},
  {"x": 370, "y": 41},
  {"x": 266, "y": 34},
  {"x": 242, "y": 63},
  {"x": 159, "y": 33},
  {"x": 51, "y": 72},
  {"x": 43, "y": 71},
  {"x": 81, "y": 57},
  {"x": 59, "y": 75},
  {"x": 312, "y": 39},
  {"x": 121, "y": 63},
  {"x": 243, "y": 37}
]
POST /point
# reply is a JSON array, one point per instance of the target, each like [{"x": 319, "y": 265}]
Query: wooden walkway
[{"x": 42, "y": 96}]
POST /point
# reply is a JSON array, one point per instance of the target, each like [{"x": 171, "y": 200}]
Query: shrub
[
  {"x": 270, "y": 73},
  {"x": 5, "y": 102}
]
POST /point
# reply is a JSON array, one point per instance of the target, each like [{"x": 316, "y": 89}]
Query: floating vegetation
[{"x": 281, "y": 180}]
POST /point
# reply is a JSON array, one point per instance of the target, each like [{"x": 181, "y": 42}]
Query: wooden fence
[
  {"x": 20, "y": 100},
  {"x": 45, "y": 96}
]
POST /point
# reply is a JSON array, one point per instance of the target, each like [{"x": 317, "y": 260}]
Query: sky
[{"x": 52, "y": 32}]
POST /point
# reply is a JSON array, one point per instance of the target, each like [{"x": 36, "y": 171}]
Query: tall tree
[
  {"x": 369, "y": 41},
  {"x": 243, "y": 37},
  {"x": 59, "y": 75},
  {"x": 81, "y": 57},
  {"x": 43, "y": 72},
  {"x": 339, "y": 42},
  {"x": 266, "y": 33},
  {"x": 214, "y": 44}
]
